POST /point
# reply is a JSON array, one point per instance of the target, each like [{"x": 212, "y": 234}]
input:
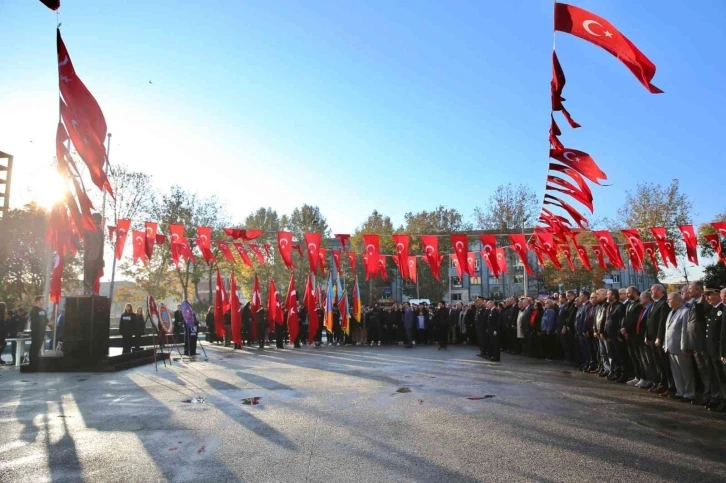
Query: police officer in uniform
[
  {"x": 38, "y": 323},
  {"x": 714, "y": 319},
  {"x": 494, "y": 329}
]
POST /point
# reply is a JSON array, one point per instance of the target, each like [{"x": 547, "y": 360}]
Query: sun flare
[{"x": 48, "y": 189}]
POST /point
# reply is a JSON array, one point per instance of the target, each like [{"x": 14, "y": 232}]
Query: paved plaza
[{"x": 345, "y": 414}]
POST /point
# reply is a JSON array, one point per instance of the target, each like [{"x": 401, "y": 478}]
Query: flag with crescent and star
[
  {"x": 258, "y": 253},
  {"x": 714, "y": 241},
  {"x": 293, "y": 318},
  {"x": 689, "y": 237},
  {"x": 520, "y": 247},
  {"x": 284, "y": 246},
  {"x": 649, "y": 248},
  {"x": 633, "y": 237},
  {"x": 412, "y": 260},
  {"x": 635, "y": 260},
  {"x": 402, "y": 243},
  {"x": 204, "y": 242},
  {"x": 588, "y": 26},
  {"x": 343, "y": 240},
  {"x": 460, "y": 243},
  {"x": 219, "y": 306},
  {"x": 581, "y": 162},
  {"x": 488, "y": 253},
  {"x": 150, "y": 228},
  {"x": 431, "y": 254},
  {"x": 582, "y": 255},
  {"x": 351, "y": 261},
  {"x": 610, "y": 248},
  {"x": 455, "y": 263},
  {"x": 598, "y": 251},
  {"x": 310, "y": 306},
  {"x": 312, "y": 242},
  {"x": 235, "y": 309},
  {"x": 139, "y": 246},
  {"x": 122, "y": 231},
  {"x": 372, "y": 252}
]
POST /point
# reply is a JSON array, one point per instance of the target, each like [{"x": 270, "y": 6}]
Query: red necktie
[{"x": 640, "y": 320}]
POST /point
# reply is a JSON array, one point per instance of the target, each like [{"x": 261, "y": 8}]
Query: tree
[
  {"x": 714, "y": 276},
  {"x": 24, "y": 257},
  {"x": 134, "y": 197},
  {"x": 652, "y": 205},
  {"x": 508, "y": 208}
]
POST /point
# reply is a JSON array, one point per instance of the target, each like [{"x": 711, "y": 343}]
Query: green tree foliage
[
  {"x": 707, "y": 229},
  {"x": 714, "y": 276}
]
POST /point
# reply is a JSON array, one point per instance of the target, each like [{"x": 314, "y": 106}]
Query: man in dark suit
[
  {"x": 494, "y": 330},
  {"x": 714, "y": 319},
  {"x": 628, "y": 341},
  {"x": 655, "y": 335},
  {"x": 613, "y": 317}
]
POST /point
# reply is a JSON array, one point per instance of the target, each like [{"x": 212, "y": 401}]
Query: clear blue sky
[{"x": 355, "y": 106}]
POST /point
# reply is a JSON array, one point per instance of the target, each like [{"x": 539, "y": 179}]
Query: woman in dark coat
[
  {"x": 139, "y": 327},
  {"x": 126, "y": 327},
  {"x": 441, "y": 325},
  {"x": 211, "y": 329}
]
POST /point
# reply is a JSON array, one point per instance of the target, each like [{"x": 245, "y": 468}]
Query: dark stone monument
[{"x": 92, "y": 255}]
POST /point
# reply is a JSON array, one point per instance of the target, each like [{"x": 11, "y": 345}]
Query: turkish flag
[
  {"x": 715, "y": 243},
  {"x": 336, "y": 261},
  {"x": 235, "y": 308},
  {"x": 160, "y": 239},
  {"x": 65, "y": 160},
  {"x": 312, "y": 242},
  {"x": 488, "y": 252},
  {"x": 455, "y": 263},
  {"x": 343, "y": 309},
  {"x": 139, "y": 239},
  {"x": 402, "y": 243},
  {"x": 351, "y": 261},
  {"x": 382, "y": 269},
  {"x": 412, "y": 268},
  {"x": 272, "y": 304},
  {"x": 689, "y": 237},
  {"x": 582, "y": 255},
  {"x": 634, "y": 257},
  {"x": 471, "y": 262},
  {"x": 244, "y": 235},
  {"x": 576, "y": 177},
  {"x": 502, "y": 260},
  {"x": 720, "y": 226},
  {"x": 605, "y": 239},
  {"x": 258, "y": 253},
  {"x": 51, "y": 4},
  {"x": 633, "y": 237},
  {"x": 588, "y": 26},
  {"x": 310, "y": 306},
  {"x": 598, "y": 254},
  {"x": 547, "y": 243},
  {"x": 150, "y": 228},
  {"x": 122, "y": 230},
  {"x": 177, "y": 233},
  {"x": 322, "y": 255},
  {"x": 537, "y": 249},
  {"x": 372, "y": 251},
  {"x": 224, "y": 248},
  {"x": 564, "y": 186},
  {"x": 204, "y": 237},
  {"x": 56, "y": 281},
  {"x": 461, "y": 249},
  {"x": 293, "y": 318},
  {"x": 219, "y": 306},
  {"x": 568, "y": 256},
  {"x": 431, "y": 254},
  {"x": 284, "y": 246},
  {"x": 76, "y": 94},
  {"x": 556, "y": 86},
  {"x": 576, "y": 215},
  {"x": 87, "y": 146},
  {"x": 243, "y": 254},
  {"x": 255, "y": 305},
  {"x": 343, "y": 239},
  {"x": 581, "y": 162},
  {"x": 649, "y": 248},
  {"x": 666, "y": 248},
  {"x": 520, "y": 246},
  {"x": 396, "y": 262}
]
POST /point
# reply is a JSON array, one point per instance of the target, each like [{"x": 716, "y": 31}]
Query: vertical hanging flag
[
  {"x": 336, "y": 261},
  {"x": 412, "y": 268},
  {"x": 634, "y": 257},
  {"x": 139, "y": 246},
  {"x": 150, "y": 228},
  {"x": 357, "y": 303},
  {"x": 454, "y": 260},
  {"x": 520, "y": 247},
  {"x": 715, "y": 243},
  {"x": 243, "y": 255},
  {"x": 582, "y": 255},
  {"x": 122, "y": 230},
  {"x": 224, "y": 248},
  {"x": 329, "y": 301},
  {"x": 431, "y": 254},
  {"x": 382, "y": 269},
  {"x": 351, "y": 261},
  {"x": 461, "y": 248},
  {"x": 204, "y": 242},
  {"x": 488, "y": 252},
  {"x": 666, "y": 250},
  {"x": 402, "y": 243},
  {"x": 605, "y": 239},
  {"x": 293, "y": 318},
  {"x": 219, "y": 306},
  {"x": 598, "y": 250},
  {"x": 56, "y": 280},
  {"x": 310, "y": 306},
  {"x": 258, "y": 253},
  {"x": 284, "y": 246},
  {"x": 312, "y": 242},
  {"x": 322, "y": 255},
  {"x": 272, "y": 303},
  {"x": 720, "y": 226},
  {"x": 255, "y": 306},
  {"x": 633, "y": 237},
  {"x": 372, "y": 250},
  {"x": 649, "y": 248},
  {"x": 235, "y": 312},
  {"x": 502, "y": 260},
  {"x": 689, "y": 237}
]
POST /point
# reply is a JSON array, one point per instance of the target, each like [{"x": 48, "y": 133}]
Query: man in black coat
[
  {"x": 654, "y": 338},
  {"x": 481, "y": 319},
  {"x": 494, "y": 330},
  {"x": 567, "y": 334},
  {"x": 714, "y": 319},
  {"x": 628, "y": 338},
  {"x": 38, "y": 323},
  {"x": 441, "y": 324},
  {"x": 614, "y": 316},
  {"x": 695, "y": 338}
]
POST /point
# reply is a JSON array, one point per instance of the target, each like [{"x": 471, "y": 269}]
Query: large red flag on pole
[
  {"x": 293, "y": 318},
  {"x": 219, "y": 306},
  {"x": 235, "y": 313}
]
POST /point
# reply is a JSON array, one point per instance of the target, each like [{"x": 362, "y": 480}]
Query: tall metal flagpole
[{"x": 103, "y": 215}]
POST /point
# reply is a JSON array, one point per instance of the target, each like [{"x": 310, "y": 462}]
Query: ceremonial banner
[{"x": 284, "y": 246}]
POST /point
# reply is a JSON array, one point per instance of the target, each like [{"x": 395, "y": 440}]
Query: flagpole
[{"x": 103, "y": 216}]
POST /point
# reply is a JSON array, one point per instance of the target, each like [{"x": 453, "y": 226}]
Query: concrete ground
[{"x": 333, "y": 414}]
